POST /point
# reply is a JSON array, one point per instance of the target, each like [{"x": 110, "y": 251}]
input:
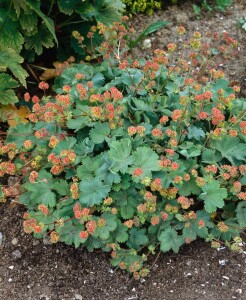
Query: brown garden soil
[{"x": 34, "y": 269}]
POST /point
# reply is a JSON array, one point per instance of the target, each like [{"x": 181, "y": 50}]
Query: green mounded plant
[
  {"x": 242, "y": 23},
  {"x": 132, "y": 156},
  {"x": 222, "y": 4},
  {"x": 210, "y": 6},
  {"x": 28, "y": 27}
]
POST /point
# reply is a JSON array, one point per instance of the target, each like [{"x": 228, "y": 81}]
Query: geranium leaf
[
  {"x": 127, "y": 212},
  {"x": 137, "y": 238},
  {"x": 93, "y": 192},
  {"x": 19, "y": 134},
  {"x": 42, "y": 190},
  {"x": 190, "y": 150},
  {"x": 119, "y": 154},
  {"x": 120, "y": 233},
  {"x": 89, "y": 167},
  {"x": 241, "y": 214},
  {"x": 209, "y": 156},
  {"x": 195, "y": 133},
  {"x": 93, "y": 243},
  {"x": 220, "y": 84},
  {"x": 104, "y": 173},
  {"x": 99, "y": 133},
  {"x": 213, "y": 196},
  {"x": 132, "y": 77},
  {"x": 62, "y": 187},
  {"x": 69, "y": 233},
  {"x": 67, "y": 143},
  {"x": 234, "y": 151},
  {"x": 189, "y": 188},
  {"x": 105, "y": 231},
  {"x": 98, "y": 80},
  {"x": 170, "y": 239},
  {"x": 111, "y": 223},
  {"x": 146, "y": 159}
]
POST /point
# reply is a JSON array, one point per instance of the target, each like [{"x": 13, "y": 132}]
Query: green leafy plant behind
[
  {"x": 220, "y": 5},
  {"x": 223, "y": 4},
  {"x": 242, "y": 23},
  {"x": 133, "y": 156},
  {"x": 29, "y": 27}
]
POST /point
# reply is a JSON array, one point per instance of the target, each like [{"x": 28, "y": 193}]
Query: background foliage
[
  {"x": 29, "y": 27},
  {"x": 149, "y": 6}
]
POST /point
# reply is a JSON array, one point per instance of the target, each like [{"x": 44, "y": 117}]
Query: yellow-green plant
[{"x": 146, "y": 6}]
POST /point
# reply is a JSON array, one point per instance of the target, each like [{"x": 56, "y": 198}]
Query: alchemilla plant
[{"x": 132, "y": 156}]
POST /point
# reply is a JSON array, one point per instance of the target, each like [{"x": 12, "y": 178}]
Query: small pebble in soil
[
  {"x": 181, "y": 18},
  {"x": 222, "y": 262},
  {"x": 1, "y": 239},
  {"x": 35, "y": 242},
  {"x": 14, "y": 242},
  {"x": 16, "y": 254},
  {"x": 189, "y": 262},
  {"x": 11, "y": 267},
  {"x": 147, "y": 44},
  {"x": 44, "y": 297},
  {"x": 78, "y": 297},
  {"x": 10, "y": 280},
  {"x": 46, "y": 240},
  {"x": 220, "y": 248}
]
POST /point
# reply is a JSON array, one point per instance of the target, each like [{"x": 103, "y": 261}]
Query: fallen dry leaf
[
  {"x": 13, "y": 115},
  {"x": 49, "y": 73}
]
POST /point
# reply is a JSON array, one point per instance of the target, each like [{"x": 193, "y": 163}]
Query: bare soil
[{"x": 33, "y": 269}]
